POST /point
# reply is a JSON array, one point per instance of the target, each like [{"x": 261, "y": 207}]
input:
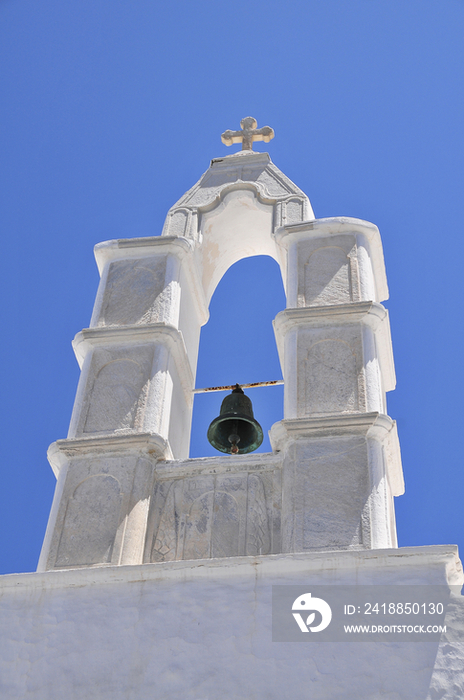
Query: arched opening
[
  {"x": 238, "y": 345},
  {"x": 239, "y": 226}
]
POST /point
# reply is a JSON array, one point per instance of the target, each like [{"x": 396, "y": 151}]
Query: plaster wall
[{"x": 202, "y": 630}]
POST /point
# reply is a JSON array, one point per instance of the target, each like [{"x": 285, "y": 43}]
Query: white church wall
[{"x": 183, "y": 629}]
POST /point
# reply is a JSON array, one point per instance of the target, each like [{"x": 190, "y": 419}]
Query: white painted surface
[
  {"x": 329, "y": 238},
  {"x": 329, "y": 484},
  {"x": 335, "y": 358},
  {"x": 202, "y": 630},
  {"x": 196, "y": 624}
]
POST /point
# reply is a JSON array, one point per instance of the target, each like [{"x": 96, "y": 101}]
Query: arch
[
  {"x": 239, "y": 226},
  {"x": 233, "y": 212},
  {"x": 238, "y": 345}
]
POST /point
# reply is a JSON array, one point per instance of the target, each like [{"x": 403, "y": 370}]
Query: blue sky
[{"x": 112, "y": 109}]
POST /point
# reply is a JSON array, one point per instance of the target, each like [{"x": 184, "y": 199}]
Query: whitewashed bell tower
[
  {"x": 330, "y": 481},
  {"x": 156, "y": 571}
]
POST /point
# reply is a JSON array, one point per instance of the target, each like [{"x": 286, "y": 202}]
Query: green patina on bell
[{"x": 235, "y": 431}]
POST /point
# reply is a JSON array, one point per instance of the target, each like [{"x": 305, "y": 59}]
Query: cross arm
[
  {"x": 264, "y": 134},
  {"x": 229, "y": 137}
]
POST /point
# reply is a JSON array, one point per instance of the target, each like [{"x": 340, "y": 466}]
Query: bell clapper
[{"x": 234, "y": 439}]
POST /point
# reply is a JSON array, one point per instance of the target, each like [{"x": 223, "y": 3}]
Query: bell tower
[
  {"x": 127, "y": 492},
  {"x": 158, "y": 572}
]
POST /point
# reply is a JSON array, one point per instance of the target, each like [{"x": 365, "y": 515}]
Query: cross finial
[{"x": 248, "y": 134}]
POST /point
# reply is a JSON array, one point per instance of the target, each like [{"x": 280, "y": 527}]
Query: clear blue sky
[{"x": 112, "y": 109}]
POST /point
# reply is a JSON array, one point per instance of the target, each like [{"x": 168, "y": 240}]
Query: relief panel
[
  {"x": 212, "y": 516},
  {"x": 213, "y": 527},
  {"x": 178, "y": 223},
  {"x": 327, "y": 271},
  {"x": 335, "y": 494},
  {"x": 116, "y": 390},
  {"x": 294, "y": 209},
  {"x": 133, "y": 292},
  {"x": 326, "y": 483},
  {"x": 115, "y": 396},
  {"x": 90, "y": 523},
  {"x": 327, "y": 277},
  {"x": 330, "y": 378}
]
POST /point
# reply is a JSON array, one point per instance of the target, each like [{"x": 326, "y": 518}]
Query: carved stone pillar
[
  {"x": 134, "y": 401},
  {"x": 341, "y": 462}
]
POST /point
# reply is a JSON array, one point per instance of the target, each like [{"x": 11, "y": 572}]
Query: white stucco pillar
[
  {"x": 341, "y": 463},
  {"x": 143, "y": 342},
  {"x": 134, "y": 401}
]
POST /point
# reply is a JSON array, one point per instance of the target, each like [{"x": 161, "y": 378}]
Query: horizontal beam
[{"x": 232, "y": 386}]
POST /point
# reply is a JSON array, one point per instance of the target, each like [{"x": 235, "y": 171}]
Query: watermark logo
[
  {"x": 358, "y": 613},
  {"x": 306, "y": 603}
]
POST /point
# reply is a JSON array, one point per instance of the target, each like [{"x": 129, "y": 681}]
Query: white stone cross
[{"x": 248, "y": 134}]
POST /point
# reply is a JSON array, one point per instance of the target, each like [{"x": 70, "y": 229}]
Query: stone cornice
[
  {"x": 241, "y": 157},
  {"x": 330, "y": 426},
  {"x": 437, "y": 564},
  {"x": 118, "y": 444},
  {"x": 222, "y": 464},
  {"x": 368, "y": 312},
  {"x": 121, "y": 248},
  {"x": 328, "y": 226}
]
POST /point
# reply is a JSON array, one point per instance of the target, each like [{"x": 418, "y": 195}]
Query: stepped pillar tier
[
  {"x": 151, "y": 280},
  {"x": 133, "y": 404},
  {"x": 100, "y": 510},
  {"x": 341, "y": 464},
  {"x": 336, "y": 260},
  {"x": 339, "y": 477},
  {"x": 335, "y": 359},
  {"x": 138, "y": 358}
]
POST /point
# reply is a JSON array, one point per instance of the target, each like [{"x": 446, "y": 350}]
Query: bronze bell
[{"x": 235, "y": 431}]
